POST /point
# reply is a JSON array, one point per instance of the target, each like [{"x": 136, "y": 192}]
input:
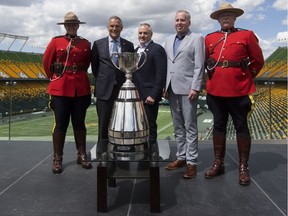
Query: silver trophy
[{"x": 128, "y": 129}]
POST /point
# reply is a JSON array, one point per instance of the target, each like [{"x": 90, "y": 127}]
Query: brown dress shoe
[
  {"x": 82, "y": 160},
  {"x": 191, "y": 171},
  {"x": 175, "y": 164}
]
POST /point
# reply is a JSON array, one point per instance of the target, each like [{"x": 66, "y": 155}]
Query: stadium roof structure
[{"x": 14, "y": 38}]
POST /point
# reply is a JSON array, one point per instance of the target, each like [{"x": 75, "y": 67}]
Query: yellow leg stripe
[
  {"x": 252, "y": 106},
  {"x": 54, "y": 124}
]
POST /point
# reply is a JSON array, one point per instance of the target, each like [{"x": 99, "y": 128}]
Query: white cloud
[
  {"x": 280, "y": 4},
  {"x": 285, "y": 22},
  {"x": 282, "y": 37},
  {"x": 17, "y": 2},
  {"x": 267, "y": 46},
  {"x": 249, "y": 6},
  {"x": 260, "y": 16},
  {"x": 37, "y": 18}
]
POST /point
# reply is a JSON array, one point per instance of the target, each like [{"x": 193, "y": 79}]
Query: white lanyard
[
  {"x": 225, "y": 38},
  {"x": 67, "y": 57}
]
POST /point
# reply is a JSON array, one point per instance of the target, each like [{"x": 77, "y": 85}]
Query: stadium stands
[
  {"x": 268, "y": 121},
  {"x": 272, "y": 111},
  {"x": 275, "y": 65},
  {"x": 29, "y": 91},
  {"x": 21, "y": 65},
  {"x": 26, "y": 96},
  {"x": 269, "y": 118}
]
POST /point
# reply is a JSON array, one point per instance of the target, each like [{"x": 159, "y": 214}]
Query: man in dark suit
[
  {"x": 108, "y": 79},
  {"x": 150, "y": 79}
]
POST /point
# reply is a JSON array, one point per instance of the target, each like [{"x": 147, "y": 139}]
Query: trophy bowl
[{"x": 129, "y": 63}]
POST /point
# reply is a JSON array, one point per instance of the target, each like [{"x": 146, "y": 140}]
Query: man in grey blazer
[
  {"x": 108, "y": 79},
  {"x": 185, "y": 73}
]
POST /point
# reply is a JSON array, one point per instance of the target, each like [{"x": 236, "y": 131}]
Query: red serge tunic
[
  {"x": 71, "y": 82},
  {"x": 233, "y": 81}
]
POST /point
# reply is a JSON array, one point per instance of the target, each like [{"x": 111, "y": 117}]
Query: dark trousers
[
  {"x": 152, "y": 113},
  {"x": 66, "y": 107},
  {"x": 104, "y": 111},
  {"x": 238, "y": 107}
]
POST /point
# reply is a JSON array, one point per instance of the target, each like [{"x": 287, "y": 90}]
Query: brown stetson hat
[
  {"x": 70, "y": 17},
  {"x": 226, "y": 7}
]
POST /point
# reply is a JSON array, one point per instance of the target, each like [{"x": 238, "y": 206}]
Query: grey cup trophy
[{"x": 128, "y": 129}]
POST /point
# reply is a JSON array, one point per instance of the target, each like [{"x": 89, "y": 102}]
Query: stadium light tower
[{"x": 10, "y": 83}]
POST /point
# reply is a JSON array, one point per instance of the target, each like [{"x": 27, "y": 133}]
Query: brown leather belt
[
  {"x": 76, "y": 68},
  {"x": 226, "y": 63}
]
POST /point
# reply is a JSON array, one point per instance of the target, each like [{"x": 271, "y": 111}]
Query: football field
[{"x": 38, "y": 126}]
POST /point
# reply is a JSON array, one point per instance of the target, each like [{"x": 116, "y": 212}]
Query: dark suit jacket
[
  {"x": 105, "y": 73},
  {"x": 150, "y": 79}
]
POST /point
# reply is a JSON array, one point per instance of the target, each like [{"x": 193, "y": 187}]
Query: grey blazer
[{"x": 185, "y": 70}]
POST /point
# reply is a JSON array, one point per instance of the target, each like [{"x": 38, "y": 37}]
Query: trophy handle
[
  {"x": 145, "y": 59},
  {"x": 112, "y": 55}
]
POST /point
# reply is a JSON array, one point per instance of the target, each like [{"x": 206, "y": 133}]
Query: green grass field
[{"x": 39, "y": 126}]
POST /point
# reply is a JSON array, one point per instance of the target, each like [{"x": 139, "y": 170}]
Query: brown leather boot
[
  {"x": 244, "y": 177},
  {"x": 80, "y": 140},
  {"x": 57, "y": 165},
  {"x": 58, "y": 145},
  {"x": 218, "y": 167},
  {"x": 244, "y": 145}
]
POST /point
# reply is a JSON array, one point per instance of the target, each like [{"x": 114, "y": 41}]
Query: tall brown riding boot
[
  {"x": 58, "y": 145},
  {"x": 218, "y": 168},
  {"x": 80, "y": 140},
  {"x": 244, "y": 145}
]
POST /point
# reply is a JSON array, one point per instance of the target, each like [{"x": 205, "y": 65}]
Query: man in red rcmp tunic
[
  {"x": 233, "y": 59},
  {"x": 65, "y": 62}
]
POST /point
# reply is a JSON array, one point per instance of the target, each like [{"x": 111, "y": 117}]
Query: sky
[{"x": 37, "y": 20}]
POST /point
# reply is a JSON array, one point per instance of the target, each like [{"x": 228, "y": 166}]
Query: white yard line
[{"x": 162, "y": 129}]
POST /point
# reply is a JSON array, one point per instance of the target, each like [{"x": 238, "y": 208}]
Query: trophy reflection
[{"x": 128, "y": 129}]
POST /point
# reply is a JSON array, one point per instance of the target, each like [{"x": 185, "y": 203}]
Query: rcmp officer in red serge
[
  {"x": 66, "y": 61},
  {"x": 233, "y": 59}
]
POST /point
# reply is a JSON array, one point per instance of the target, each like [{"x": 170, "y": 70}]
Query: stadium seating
[
  {"x": 268, "y": 120},
  {"x": 275, "y": 65},
  {"x": 26, "y": 96},
  {"x": 21, "y": 65}
]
